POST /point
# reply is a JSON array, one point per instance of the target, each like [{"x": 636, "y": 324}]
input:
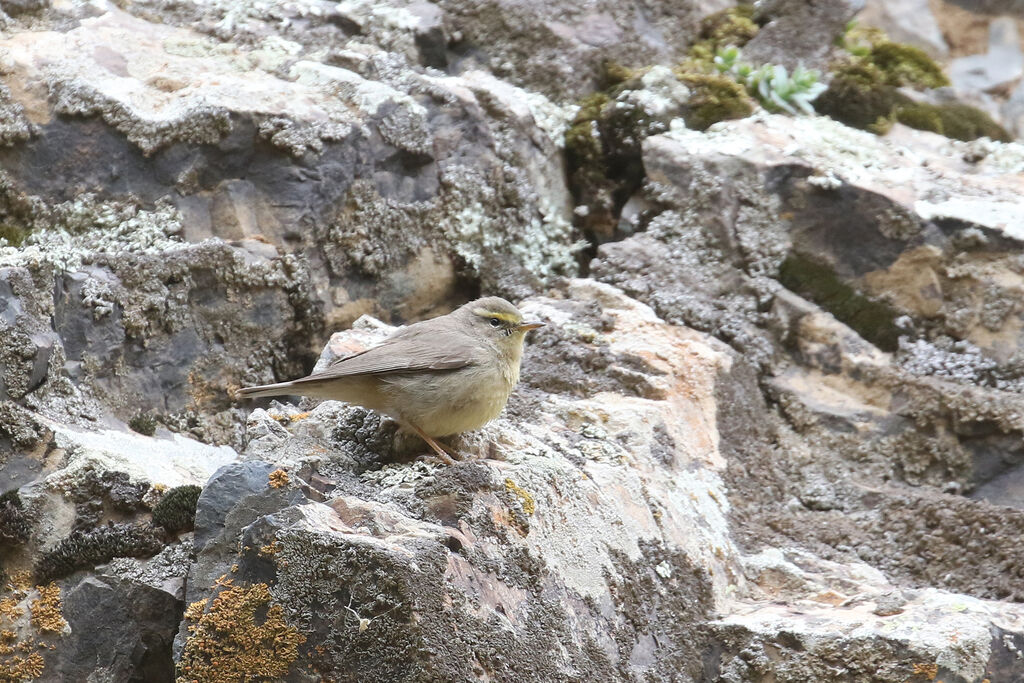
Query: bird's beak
[{"x": 532, "y": 325}]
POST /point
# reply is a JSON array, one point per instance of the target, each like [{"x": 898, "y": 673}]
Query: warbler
[{"x": 437, "y": 377}]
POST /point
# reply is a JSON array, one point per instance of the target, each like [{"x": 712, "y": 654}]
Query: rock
[
  {"x": 1001, "y": 67},
  {"x": 796, "y": 33},
  {"x": 633, "y": 469},
  {"x": 137, "y": 643},
  {"x": 906, "y": 21}
]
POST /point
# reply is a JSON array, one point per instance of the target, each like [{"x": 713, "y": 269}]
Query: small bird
[{"x": 442, "y": 376}]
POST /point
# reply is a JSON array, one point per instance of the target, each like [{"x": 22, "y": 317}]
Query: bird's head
[{"x": 496, "y": 319}]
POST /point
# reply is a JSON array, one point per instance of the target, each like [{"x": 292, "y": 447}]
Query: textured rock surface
[
  {"x": 773, "y": 432},
  {"x": 454, "y": 569}
]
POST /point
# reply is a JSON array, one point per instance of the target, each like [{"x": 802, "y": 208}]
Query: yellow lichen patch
[
  {"x": 22, "y": 581},
  {"x": 18, "y": 668},
  {"x": 279, "y": 478},
  {"x": 229, "y": 643},
  {"x": 298, "y": 417},
  {"x": 46, "y": 610},
  {"x": 529, "y": 505},
  {"x": 929, "y": 669},
  {"x": 194, "y": 611},
  {"x": 9, "y": 609},
  {"x": 271, "y": 549}
]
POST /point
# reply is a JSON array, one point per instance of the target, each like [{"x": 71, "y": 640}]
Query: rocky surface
[{"x": 772, "y": 432}]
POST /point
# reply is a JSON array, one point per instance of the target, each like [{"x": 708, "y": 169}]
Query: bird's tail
[{"x": 282, "y": 389}]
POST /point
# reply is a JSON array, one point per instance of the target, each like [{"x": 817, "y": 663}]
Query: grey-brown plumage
[{"x": 450, "y": 374}]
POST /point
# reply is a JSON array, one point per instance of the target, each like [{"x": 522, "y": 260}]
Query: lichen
[
  {"x": 232, "y": 642},
  {"x": 278, "y": 478},
  {"x": 47, "y": 616},
  {"x": 524, "y": 496},
  {"x": 86, "y": 549},
  {"x": 176, "y": 511}
]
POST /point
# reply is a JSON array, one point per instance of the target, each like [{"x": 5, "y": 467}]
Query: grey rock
[
  {"x": 906, "y": 21},
  {"x": 119, "y": 630},
  {"x": 1001, "y": 67},
  {"x": 797, "y": 32}
]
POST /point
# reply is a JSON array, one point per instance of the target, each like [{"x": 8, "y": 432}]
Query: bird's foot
[{"x": 442, "y": 455}]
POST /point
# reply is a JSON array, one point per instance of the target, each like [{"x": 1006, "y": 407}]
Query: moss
[
  {"x": 15, "y": 527},
  {"x": 859, "y": 96},
  {"x": 13, "y": 234},
  {"x": 143, "y": 423},
  {"x": 232, "y": 642},
  {"x": 86, "y": 549},
  {"x": 958, "y": 121},
  {"x": 604, "y": 159},
  {"x": 734, "y": 26},
  {"x": 906, "y": 65},
  {"x": 714, "y": 98},
  {"x": 613, "y": 74},
  {"x": 873, "y": 320},
  {"x": 176, "y": 511}
]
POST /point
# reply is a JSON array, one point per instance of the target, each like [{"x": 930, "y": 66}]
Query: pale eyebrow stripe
[{"x": 507, "y": 317}]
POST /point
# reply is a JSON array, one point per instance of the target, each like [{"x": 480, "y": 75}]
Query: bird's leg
[{"x": 442, "y": 454}]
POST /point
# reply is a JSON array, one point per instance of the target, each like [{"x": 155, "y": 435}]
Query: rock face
[
  {"x": 416, "y": 572},
  {"x": 772, "y": 432}
]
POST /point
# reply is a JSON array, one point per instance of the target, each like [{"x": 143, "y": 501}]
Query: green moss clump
[
  {"x": 714, "y": 98},
  {"x": 13, "y": 234},
  {"x": 859, "y": 96},
  {"x": 733, "y": 26},
  {"x": 86, "y": 549},
  {"x": 603, "y": 151},
  {"x": 906, "y": 65},
  {"x": 15, "y": 527},
  {"x": 143, "y": 423},
  {"x": 730, "y": 27},
  {"x": 873, "y": 320},
  {"x": 613, "y": 74},
  {"x": 957, "y": 121},
  {"x": 176, "y": 511}
]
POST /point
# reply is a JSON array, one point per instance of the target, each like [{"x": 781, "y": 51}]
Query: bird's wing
[{"x": 417, "y": 351}]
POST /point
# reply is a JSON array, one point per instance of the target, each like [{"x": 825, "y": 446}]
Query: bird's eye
[{"x": 495, "y": 322}]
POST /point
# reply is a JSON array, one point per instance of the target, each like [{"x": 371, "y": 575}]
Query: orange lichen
[
  {"x": 9, "y": 609},
  {"x": 22, "y": 580},
  {"x": 20, "y": 668},
  {"x": 46, "y": 610},
  {"x": 271, "y": 549},
  {"x": 526, "y": 500},
  {"x": 194, "y": 611},
  {"x": 228, "y": 643},
  {"x": 929, "y": 669},
  {"x": 279, "y": 478}
]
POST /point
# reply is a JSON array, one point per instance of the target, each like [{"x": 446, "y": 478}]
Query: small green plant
[
  {"x": 143, "y": 423},
  {"x": 774, "y": 87}
]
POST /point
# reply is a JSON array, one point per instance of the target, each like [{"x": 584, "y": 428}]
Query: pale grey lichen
[
  {"x": 65, "y": 234},
  {"x": 191, "y": 121}
]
